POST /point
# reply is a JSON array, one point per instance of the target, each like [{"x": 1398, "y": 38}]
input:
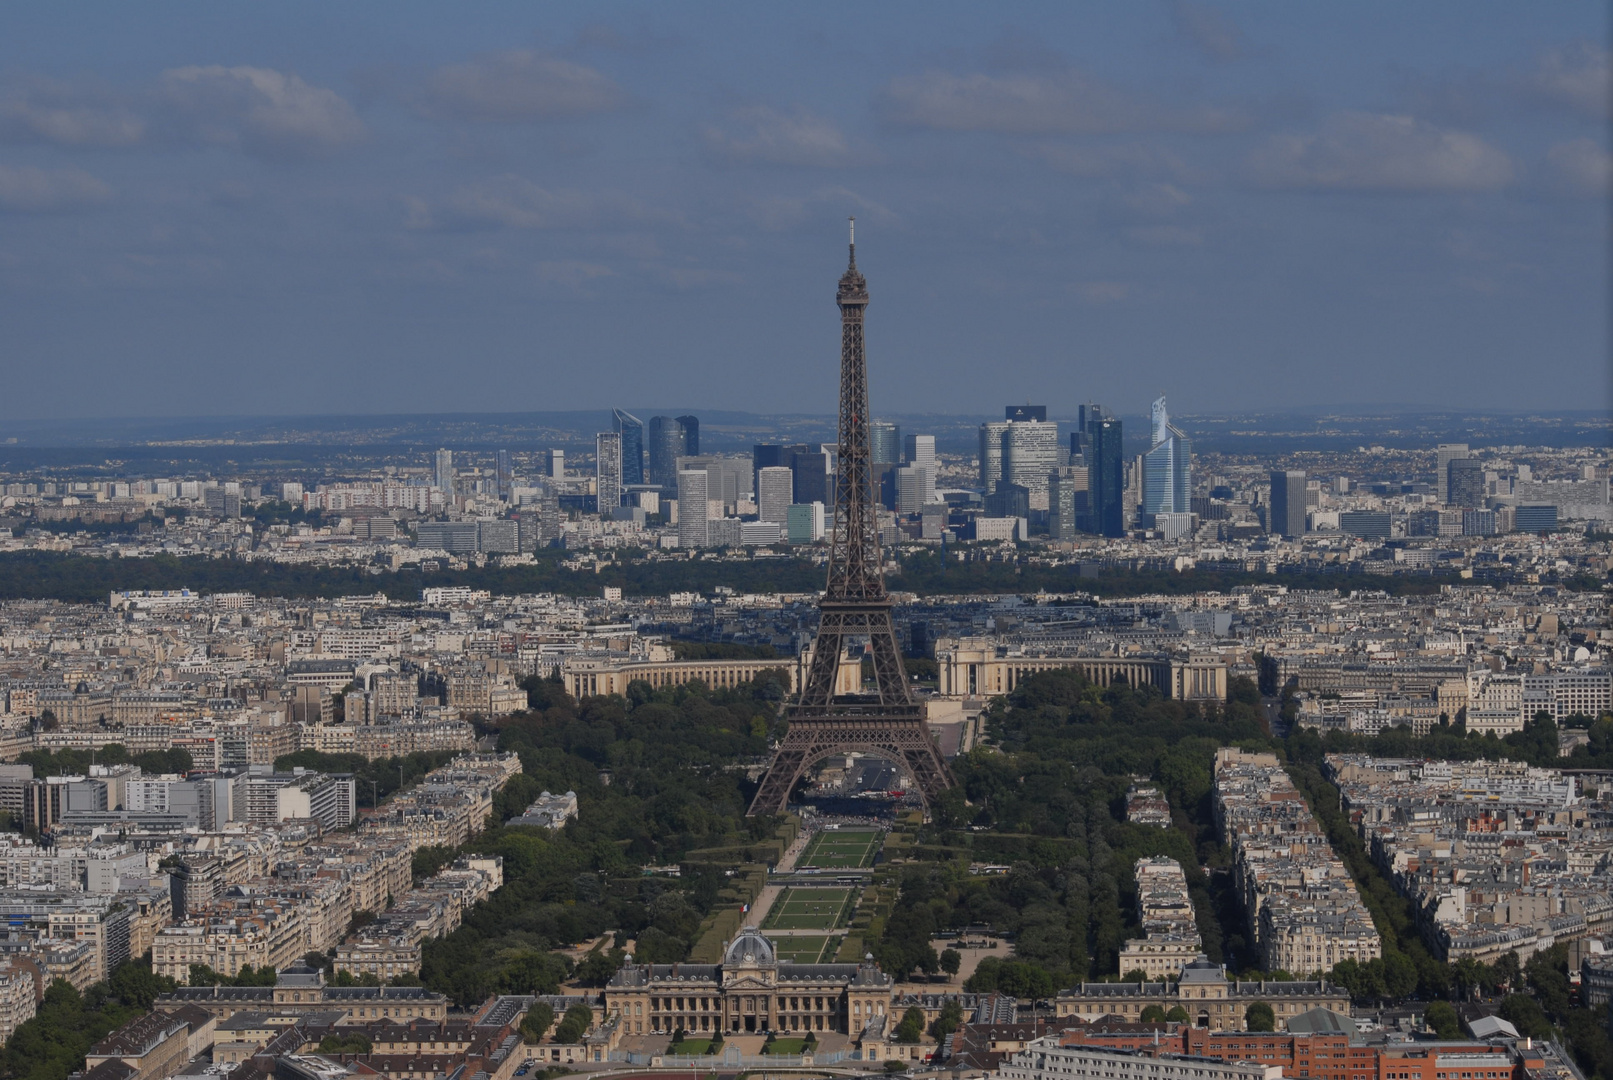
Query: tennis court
[
  {"x": 807, "y": 949},
  {"x": 842, "y": 849},
  {"x": 809, "y": 909}
]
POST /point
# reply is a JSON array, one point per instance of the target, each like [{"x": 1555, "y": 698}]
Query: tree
[
  {"x": 1523, "y": 1013},
  {"x": 537, "y": 1021},
  {"x": 894, "y": 1066},
  {"x": 1442, "y": 1020},
  {"x": 951, "y": 962},
  {"x": 575, "y": 1024},
  {"x": 948, "y": 1021},
  {"x": 912, "y": 1026},
  {"x": 1153, "y": 1014},
  {"x": 1259, "y": 1017},
  {"x": 597, "y": 968},
  {"x": 1177, "y": 1015},
  {"x": 355, "y": 1042}
]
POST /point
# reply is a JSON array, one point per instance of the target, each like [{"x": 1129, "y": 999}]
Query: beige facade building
[
  {"x": 750, "y": 991},
  {"x": 1205, "y": 994},
  {"x": 980, "y": 668}
]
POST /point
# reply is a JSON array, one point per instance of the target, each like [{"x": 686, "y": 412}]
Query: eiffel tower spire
[{"x": 854, "y": 605}]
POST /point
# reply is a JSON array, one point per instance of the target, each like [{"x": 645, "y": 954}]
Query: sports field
[
  {"x": 842, "y": 849},
  {"x": 809, "y": 909},
  {"x": 807, "y": 949}
]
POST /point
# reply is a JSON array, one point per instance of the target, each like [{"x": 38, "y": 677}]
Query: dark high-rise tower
[
  {"x": 690, "y": 427},
  {"x": 889, "y": 723},
  {"x": 1106, "y": 476},
  {"x": 631, "y": 429},
  {"x": 1285, "y": 515}
]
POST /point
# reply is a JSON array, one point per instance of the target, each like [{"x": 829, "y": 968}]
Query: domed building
[{"x": 750, "y": 991}]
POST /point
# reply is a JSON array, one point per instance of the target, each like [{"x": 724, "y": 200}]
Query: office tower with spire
[
  {"x": 1167, "y": 467},
  {"x": 631, "y": 430},
  {"x": 608, "y": 471}
]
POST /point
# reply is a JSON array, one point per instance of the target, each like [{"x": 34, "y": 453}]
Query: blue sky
[{"x": 379, "y": 207}]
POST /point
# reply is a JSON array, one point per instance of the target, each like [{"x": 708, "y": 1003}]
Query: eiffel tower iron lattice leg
[{"x": 889, "y": 724}]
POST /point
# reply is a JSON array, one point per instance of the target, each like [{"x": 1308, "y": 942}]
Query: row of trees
[
  {"x": 651, "y": 779},
  {"x": 54, "y": 1042},
  {"x": 35, "y": 575}
]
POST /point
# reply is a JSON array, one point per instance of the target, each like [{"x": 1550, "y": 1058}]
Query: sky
[{"x": 314, "y": 208}]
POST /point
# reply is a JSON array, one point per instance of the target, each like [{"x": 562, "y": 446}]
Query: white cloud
[
  {"x": 261, "y": 111},
  {"x": 761, "y": 134},
  {"x": 57, "y": 113},
  {"x": 1578, "y": 77},
  {"x": 519, "y": 85},
  {"x": 513, "y": 202},
  {"x": 1066, "y": 102},
  {"x": 1585, "y": 167},
  {"x": 27, "y": 190},
  {"x": 1375, "y": 152}
]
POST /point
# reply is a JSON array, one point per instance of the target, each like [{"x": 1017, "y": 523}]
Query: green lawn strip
[
  {"x": 785, "y": 1046},
  {"x": 690, "y": 1046}
]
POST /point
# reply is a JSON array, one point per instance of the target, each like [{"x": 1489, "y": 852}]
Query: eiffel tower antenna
[{"x": 887, "y": 724}]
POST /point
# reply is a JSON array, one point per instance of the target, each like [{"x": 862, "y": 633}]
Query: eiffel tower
[{"x": 889, "y": 724}]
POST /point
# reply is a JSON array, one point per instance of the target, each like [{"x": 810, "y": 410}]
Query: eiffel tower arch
[{"x": 854, "y": 606}]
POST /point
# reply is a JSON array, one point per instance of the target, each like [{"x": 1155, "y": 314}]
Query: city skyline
[{"x": 1257, "y": 207}]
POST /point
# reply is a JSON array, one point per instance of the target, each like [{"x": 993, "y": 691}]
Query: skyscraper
[
  {"x": 919, "y": 450},
  {"x": 665, "y": 447},
  {"x": 766, "y": 456},
  {"x": 1287, "y": 514},
  {"x": 1444, "y": 454},
  {"x": 991, "y": 454},
  {"x": 692, "y": 508},
  {"x": 631, "y": 430},
  {"x": 689, "y": 426},
  {"x": 1030, "y": 454},
  {"x": 1066, "y": 501},
  {"x": 885, "y": 442},
  {"x": 1106, "y": 476},
  {"x": 554, "y": 465},
  {"x": 608, "y": 471},
  {"x": 445, "y": 471},
  {"x": 775, "y": 488},
  {"x": 811, "y": 473},
  {"x": 910, "y": 484},
  {"x": 1167, "y": 467},
  {"x": 1464, "y": 483},
  {"x": 504, "y": 473}
]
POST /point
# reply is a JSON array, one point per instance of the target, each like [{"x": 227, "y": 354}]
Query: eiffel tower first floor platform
[{"x": 897, "y": 733}]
